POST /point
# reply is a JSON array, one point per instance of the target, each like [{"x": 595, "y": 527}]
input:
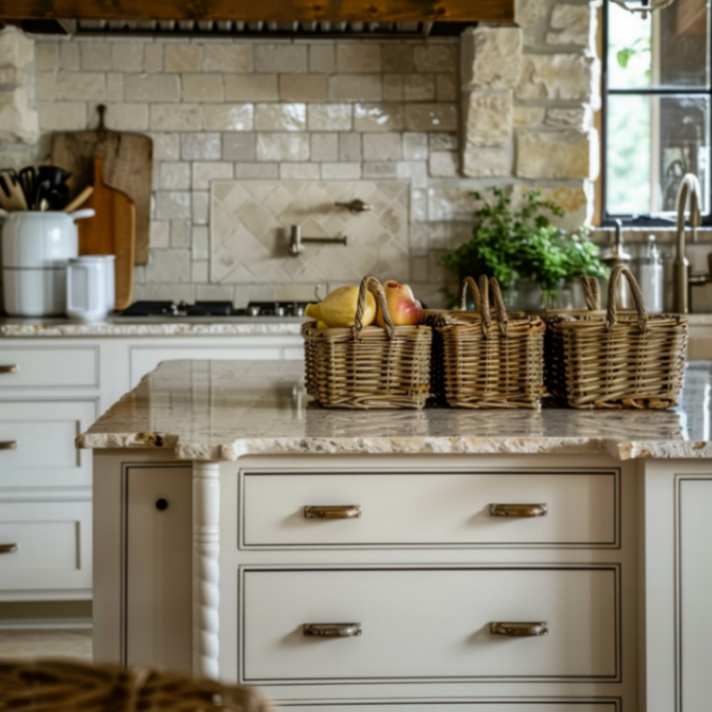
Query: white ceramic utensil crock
[{"x": 35, "y": 249}]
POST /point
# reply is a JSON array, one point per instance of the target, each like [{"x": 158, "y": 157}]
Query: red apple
[{"x": 404, "y": 308}]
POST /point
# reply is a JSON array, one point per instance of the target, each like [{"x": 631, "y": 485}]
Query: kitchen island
[{"x": 516, "y": 561}]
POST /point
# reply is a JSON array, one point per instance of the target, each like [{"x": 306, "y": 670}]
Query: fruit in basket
[
  {"x": 338, "y": 308},
  {"x": 403, "y": 307}
]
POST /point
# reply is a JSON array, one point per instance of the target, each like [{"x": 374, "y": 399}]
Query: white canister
[
  {"x": 35, "y": 249},
  {"x": 90, "y": 287}
]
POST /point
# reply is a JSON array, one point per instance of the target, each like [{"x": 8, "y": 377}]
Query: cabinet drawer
[
  {"x": 430, "y": 624},
  {"x": 44, "y": 546},
  {"x": 57, "y": 367},
  {"x": 574, "y": 705},
  {"x": 445, "y": 509},
  {"x": 38, "y": 443}
]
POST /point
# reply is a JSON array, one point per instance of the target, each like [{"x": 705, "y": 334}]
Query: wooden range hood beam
[{"x": 499, "y": 11}]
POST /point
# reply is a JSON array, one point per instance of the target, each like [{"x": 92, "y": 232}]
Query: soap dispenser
[{"x": 611, "y": 256}]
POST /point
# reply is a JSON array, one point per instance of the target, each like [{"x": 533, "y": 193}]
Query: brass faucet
[{"x": 689, "y": 192}]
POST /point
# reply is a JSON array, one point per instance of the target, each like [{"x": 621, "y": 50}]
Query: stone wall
[
  {"x": 346, "y": 110},
  {"x": 18, "y": 113}
]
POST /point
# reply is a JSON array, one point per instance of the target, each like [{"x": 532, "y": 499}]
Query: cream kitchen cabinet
[{"x": 52, "y": 389}]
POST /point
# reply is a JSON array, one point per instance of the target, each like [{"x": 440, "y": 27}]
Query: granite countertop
[
  {"x": 221, "y": 410},
  {"x": 139, "y": 326}
]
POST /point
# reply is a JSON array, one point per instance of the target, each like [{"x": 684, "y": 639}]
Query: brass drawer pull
[
  {"x": 8, "y": 368},
  {"x": 8, "y": 444},
  {"x": 518, "y": 629},
  {"x": 518, "y": 510},
  {"x": 333, "y": 511},
  {"x": 8, "y": 548},
  {"x": 331, "y": 630}
]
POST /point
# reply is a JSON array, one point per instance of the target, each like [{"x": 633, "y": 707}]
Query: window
[{"x": 656, "y": 108}]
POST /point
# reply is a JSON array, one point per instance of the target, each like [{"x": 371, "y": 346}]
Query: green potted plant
[{"x": 530, "y": 257}]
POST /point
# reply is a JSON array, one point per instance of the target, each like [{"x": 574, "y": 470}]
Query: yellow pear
[{"x": 339, "y": 308}]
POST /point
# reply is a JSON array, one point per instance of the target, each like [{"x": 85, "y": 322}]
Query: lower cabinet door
[
  {"x": 158, "y": 567},
  {"x": 367, "y": 625},
  {"x": 45, "y": 549}
]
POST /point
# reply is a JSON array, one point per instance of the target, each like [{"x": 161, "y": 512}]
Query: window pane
[
  {"x": 652, "y": 141},
  {"x": 669, "y": 48}
]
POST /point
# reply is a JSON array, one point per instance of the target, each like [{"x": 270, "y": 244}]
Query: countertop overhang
[{"x": 223, "y": 410}]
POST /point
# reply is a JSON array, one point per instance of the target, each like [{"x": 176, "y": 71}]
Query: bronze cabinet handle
[
  {"x": 518, "y": 629},
  {"x": 8, "y": 548},
  {"x": 8, "y": 368},
  {"x": 331, "y": 630},
  {"x": 521, "y": 511},
  {"x": 332, "y": 511},
  {"x": 8, "y": 444}
]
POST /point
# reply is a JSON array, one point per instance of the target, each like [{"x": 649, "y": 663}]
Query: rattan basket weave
[
  {"x": 486, "y": 361},
  {"x": 616, "y": 359},
  {"x": 69, "y": 686},
  {"x": 368, "y": 367}
]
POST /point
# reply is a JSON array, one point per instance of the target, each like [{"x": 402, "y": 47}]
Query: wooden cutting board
[
  {"x": 128, "y": 162},
  {"x": 111, "y": 231}
]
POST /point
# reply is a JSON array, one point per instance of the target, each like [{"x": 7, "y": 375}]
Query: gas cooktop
[{"x": 213, "y": 310}]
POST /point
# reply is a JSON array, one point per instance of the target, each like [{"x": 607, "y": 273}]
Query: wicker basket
[
  {"x": 368, "y": 367},
  {"x": 486, "y": 362},
  {"x": 616, "y": 359},
  {"x": 69, "y": 686}
]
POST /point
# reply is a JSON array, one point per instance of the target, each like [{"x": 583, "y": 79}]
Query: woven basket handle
[
  {"x": 591, "y": 293},
  {"x": 489, "y": 289},
  {"x": 612, "y": 315},
  {"x": 370, "y": 284},
  {"x": 469, "y": 285}
]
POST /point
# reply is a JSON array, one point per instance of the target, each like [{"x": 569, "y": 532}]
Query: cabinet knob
[
  {"x": 518, "y": 629},
  {"x": 8, "y": 444},
  {"x": 332, "y": 511},
  {"x": 8, "y": 368},
  {"x": 161, "y": 504},
  {"x": 331, "y": 630},
  {"x": 8, "y": 548},
  {"x": 521, "y": 511}
]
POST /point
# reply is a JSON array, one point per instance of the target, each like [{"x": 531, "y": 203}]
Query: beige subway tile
[
  {"x": 180, "y": 233},
  {"x": 81, "y": 86},
  {"x": 153, "y": 57},
  {"x": 127, "y": 56},
  {"x": 201, "y": 146},
  {"x": 62, "y": 115},
  {"x": 280, "y": 58},
  {"x": 251, "y": 87},
  {"x": 397, "y": 57},
  {"x": 356, "y": 87},
  {"x": 325, "y": 147},
  {"x": 168, "y": 265},
  {"x": 378, "y": 117},
  {"x": 358, "y": 57},
  {"x": 200, "y": 271},
  {"x": 166, "y": 146},
  {"x": 436, "y": 58},
  {"x": 382, "y": 146},
  {"x": 322, "y": 57},
  {"x": 239, "y": 146},
  {"x": 329, "y": 117},
  {"x": 257, "y": 171},
  {"x": 340, "y": 171},
  {"x": 46, "y": 56},
  {"x": 152, "y": 87},
  {"x": 442, "y": 141},
  {"x": 415, "y": 146},
  {"x": 199, "y": 204},
  {"x": 393, "y": 87},
  {"x": 227, "y": 58},
  {"x": 431, "y": 117},
  {"x": 204, "y": 173},
  {"x": 69, "y": 56},
  {"x": 380, "y": 169},
  {"x": 443, "y": 164},
  {"x": 182, "y": 57},
  {"x": 46, "y": 86},
  {"x": 172, "y": 205},
  {"x": 228, "y": 117},
  {"x": 419, "y": 87},
  {"x": 202, "y": 87},
  {"x": 280, "y": 117},
  {"x": 175, "y": 117},
  {"x": 303, "y": 87},
  {"x": 350, "y": 147},
  {"x": 299, "y": 171},
  {"x": 159, "y": 233},
  {"x": 200, "y": 243},
  {"x": 127, "y": 116},
  {"x": 115, "y": 87},
  {"x": 174, "y": 175},
  {"x": 445, "y": 87},
  {"x": 282, "y": 147},
  {"x": 95, "y": 56}
]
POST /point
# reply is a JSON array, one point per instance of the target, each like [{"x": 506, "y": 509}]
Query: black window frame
[{"x": 644, "y": 220}]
